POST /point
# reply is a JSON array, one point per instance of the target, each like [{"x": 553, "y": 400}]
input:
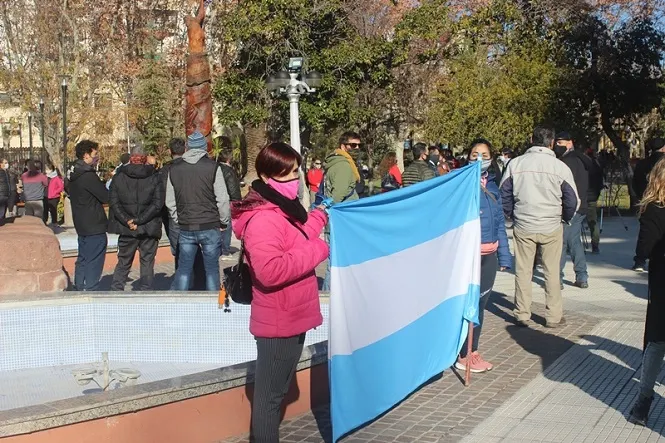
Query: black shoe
[
  {"x": 562, "y": 286},
  {"x": 550, "y": 325},
  {"x": 640, "y": 412},
  {"x": 582, "y": 284},
  {"x": 595, "y": 250},
  {"x": 522, "y": 323}
]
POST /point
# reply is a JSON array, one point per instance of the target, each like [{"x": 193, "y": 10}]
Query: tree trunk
[{"x": 256, "y": 140}]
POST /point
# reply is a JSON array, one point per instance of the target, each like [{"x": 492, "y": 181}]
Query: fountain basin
[{"x": 196, "y": 364}]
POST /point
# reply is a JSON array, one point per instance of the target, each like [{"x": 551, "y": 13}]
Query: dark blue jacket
[{"x": 493, "y": 222}]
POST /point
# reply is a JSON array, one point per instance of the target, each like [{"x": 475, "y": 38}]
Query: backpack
[
  {"x": 389, "y": 182},
  {"x": 321, "y": 193}
]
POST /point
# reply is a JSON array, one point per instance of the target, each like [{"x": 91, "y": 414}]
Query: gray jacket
[
  {"x": 219, "y": 187},
  {"x": 538, "y": 192}
]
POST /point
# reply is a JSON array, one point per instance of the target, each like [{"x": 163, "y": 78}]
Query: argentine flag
[{"x": 405, "y": 283}]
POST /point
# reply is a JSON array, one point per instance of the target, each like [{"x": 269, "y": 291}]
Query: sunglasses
[
  {"x": 318, "y": 163},
  {"x": 354, "y": 145}
]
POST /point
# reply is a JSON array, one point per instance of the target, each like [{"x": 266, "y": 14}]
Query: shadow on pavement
[
  {"x": 613, "y": 380},
  {"x": 639, "y": 290}
]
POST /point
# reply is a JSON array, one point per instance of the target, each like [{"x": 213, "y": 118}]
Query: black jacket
[
  {"x": 87, "y": 194},
  {"x": 137, "y": 193},
  {"x": 579, "y": 165},
  {"x": 642, "y": 171},
  {"x": 651, "y": 244},
  {"x": 5, "y": 187},
  {"x": 596, "y": 181},
  {"x": 232, "y": 182}
]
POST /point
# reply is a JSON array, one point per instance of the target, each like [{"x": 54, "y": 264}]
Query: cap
[
  {"x": 563, "y": 136},
  {"x": 196, "y": 141}
]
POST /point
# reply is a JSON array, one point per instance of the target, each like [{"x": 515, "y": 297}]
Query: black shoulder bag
[{"x": 238, "y": 280}]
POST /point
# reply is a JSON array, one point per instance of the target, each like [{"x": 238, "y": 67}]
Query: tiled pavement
[
  {"x": 445, "y": 410},
  {"x": 583, "y": 396},
  {"x": 571, "y": 384}
]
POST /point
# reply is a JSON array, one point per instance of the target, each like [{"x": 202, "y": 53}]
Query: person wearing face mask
[
  {"x": 314, "y": 178},
  {"x": 56, "y": 186},
  {"x": 419, "y": 170},
  {"x": 433, "y": 159},
  {"x": 283, "y": 248},
  {"x": 494, "y": 250},
  {"x": 88, "y": 194},
  {"x": 538, "y": 193},
  {"x": 579, "y": 165},
  {"x": 198, "y": 202}
]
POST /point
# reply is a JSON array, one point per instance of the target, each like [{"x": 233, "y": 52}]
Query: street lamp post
[
  {"x": 41, "y": 124},
  {"x": 64, "y": 125},
  {"x": 30, "y": 134},
  {"x": 294, "y": 83}
]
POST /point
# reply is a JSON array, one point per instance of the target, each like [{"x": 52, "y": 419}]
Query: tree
[
  {"x": 100, "y": 46},
  {"x": 499, "y": 80},
  {"x": 158, "y": 114},
  {"x": 613, "y": 77}
]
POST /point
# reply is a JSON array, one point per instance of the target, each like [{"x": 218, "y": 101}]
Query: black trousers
[
  {"x": 127, "y": 246},
  {"x": 52, "y": 210},
  {"x": 276, "y": 363}
]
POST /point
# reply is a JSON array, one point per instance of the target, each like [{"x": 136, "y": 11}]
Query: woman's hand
[{"x": 503, "y": 268}]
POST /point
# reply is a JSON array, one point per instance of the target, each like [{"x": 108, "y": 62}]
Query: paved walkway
[{"x": 573, "y": 384}]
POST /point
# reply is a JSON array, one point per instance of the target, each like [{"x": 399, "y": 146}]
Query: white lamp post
[{"x": 294, "y": 83}]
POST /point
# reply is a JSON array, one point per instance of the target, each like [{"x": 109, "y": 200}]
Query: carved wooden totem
[{"x": 198, "y": 96}]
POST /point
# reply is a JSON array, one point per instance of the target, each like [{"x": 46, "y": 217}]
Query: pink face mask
[{"x": 288, "y": 189}]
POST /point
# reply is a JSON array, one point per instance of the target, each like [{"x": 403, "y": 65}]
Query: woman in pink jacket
[{"x": 282, "y": 248}]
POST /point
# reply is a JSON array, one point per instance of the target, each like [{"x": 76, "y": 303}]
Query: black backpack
[{"x": 389, "y": 182}]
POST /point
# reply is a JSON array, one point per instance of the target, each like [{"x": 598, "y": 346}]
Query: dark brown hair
[{"x": 276, "y": 160}]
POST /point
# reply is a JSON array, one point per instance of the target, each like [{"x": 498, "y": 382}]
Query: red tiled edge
[{"x": 205, "y": 419}]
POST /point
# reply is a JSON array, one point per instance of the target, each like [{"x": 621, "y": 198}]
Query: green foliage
[
  {"x": 154, "y": 110},
  {"x": 494, "y": 71}
]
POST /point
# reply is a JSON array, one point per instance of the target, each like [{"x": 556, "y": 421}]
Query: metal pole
[
  {"x": 129, "y": 149},
  {"x": 64, "y": 126},
  {"x": 30, "y": 134},
  {"x": 469, "y": 350},
  {"x": 294, "y": 117},
  {"x": 41, "y": 118}
]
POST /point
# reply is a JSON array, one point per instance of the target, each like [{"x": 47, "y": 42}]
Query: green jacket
[{"x": 340, "y": 181}]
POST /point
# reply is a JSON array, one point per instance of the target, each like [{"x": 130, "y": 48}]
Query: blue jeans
[
  {"x": 210, "y": 242},
  {"x": 652, "y": 362},
  {"x": 572, "y": 244},
  {"x": 226, "y": 239},
  {"x": 90, "y": 261}
]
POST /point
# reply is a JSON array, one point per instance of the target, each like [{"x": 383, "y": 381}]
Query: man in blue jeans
[
  {"x": 579, "y": 165},
  {"x": 198, "y": 202},
  {"x": 88, "y": 194}
]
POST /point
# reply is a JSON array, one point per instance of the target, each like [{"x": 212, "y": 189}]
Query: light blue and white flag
[{"x": 405, "y": 279}]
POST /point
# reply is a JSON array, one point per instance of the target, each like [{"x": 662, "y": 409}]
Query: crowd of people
[
  {"x": 547, "y": 193},
  {"x": 38, "y": 187},
  {"x": 188, "y": 198}
]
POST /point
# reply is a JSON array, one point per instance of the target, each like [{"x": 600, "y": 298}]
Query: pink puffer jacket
[{"x": 282, "y": 263}]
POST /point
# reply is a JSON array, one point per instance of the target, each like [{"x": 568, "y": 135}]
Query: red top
[
  {"x": 395, "y": 172},
  {"x": 282, "y": 263},
  {"x": 314, "y": 178}
]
